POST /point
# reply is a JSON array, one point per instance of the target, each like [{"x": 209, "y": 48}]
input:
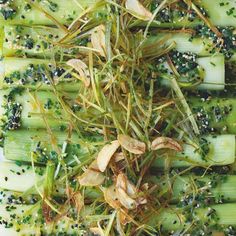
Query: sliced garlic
[
  {"x": 92, "y": 176},
  {"x": 110, "y": 197},
  {"x": 138, "y": 10},
  {"x": 82, "y": 69},
  {"x": 125, "y": 192},
  {"x": 98, "y": 39},
  {"x": 119, "y": 156},
  {"x": 132, "y": 145},
  {"x": 131, "y": 189},
  {"x": 165, "y": 142},
  {"x": 125, "y": 199},
  {"x": 105, "y": 155},
  {"x": 121, "y": 181}
]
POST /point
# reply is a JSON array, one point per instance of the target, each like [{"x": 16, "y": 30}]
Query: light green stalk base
[
  {"x": 221, "y": 152},
  {"x": 214, "y": 68},
  {"x": 199, "y": 46},
  {"x": 225, "y": 188},
  {"x": 26, "y": 141},
  {"x": 11, "y": 65},
  {"x": 174, "y": 219},
  {"x": 19, "y": 178},
  {"x": 213, "y": 75},
  {"x": 218, "y": 114},
  {"x": 185, "y": 43},
  {"x": 33, "y": 226},
  {"x": 44, "y": 109},
  {"x": 63, "y": 11},
  {"x": 218, "y": 14},
  {"x": 13, "y": 197},
  {"x": 171, "y": 219},
  {"x": 42, "y": 37},
  {"x": 35, "y": 113}
]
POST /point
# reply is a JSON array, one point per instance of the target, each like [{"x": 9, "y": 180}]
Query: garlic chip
[
  {"x": 122, "y": 186},
  {"x": 110, "y": 196},
  {"x": 138, "y": 10},
  {"x": 119, "y": 156},
  {"x": 82, "y": 69},
  {"x": 131, "y": 189},
  {"x": 123, "y": 193},
  {"x": 125, "y": 199},
  {"x": 92, "y": 176},
  {"x": 165, "y": 142},
  {"x": 121, "y": 181},
  {"x": 105, "y": 155},
  {"x": 98, "y": 40},
  {"x": 132, "y": 145}
]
